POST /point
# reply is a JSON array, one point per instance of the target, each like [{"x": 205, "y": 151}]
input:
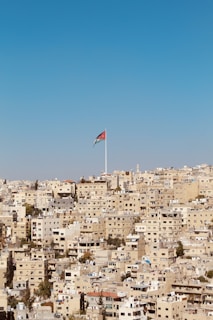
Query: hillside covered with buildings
[{"x": 127, "y": 245}]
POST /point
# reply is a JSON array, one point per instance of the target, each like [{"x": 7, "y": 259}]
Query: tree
[
  {"x": 62, "y": 275},
  {"x": 86, "y": 256},
  {"x": 27, "y": 299},
  {"x": 10, "y": 271},
  {"x": 125, "y": 276},
  {"x": 179, "y": 249},
  {"x": 137, "y": 219},
  {"x": 32, "y": 211},
  {"x": 36, "y": 185},
  {"x": 12, "y": 301},
  {"x": 115, "y": 242},
  {"x": 209, "y": 274},
  {"x": 101, "y": 305},
  {"x": 44, "y": 289},
  {"x": 202, "y": 279}
]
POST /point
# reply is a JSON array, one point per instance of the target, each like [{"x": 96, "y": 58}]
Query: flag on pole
[{"x": 100, "y": 137}]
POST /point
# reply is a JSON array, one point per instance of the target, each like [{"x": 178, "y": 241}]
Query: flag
[{"x": 100, "y": 137}]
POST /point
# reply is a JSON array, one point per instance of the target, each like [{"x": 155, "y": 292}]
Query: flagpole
[{"x": 105, "y": 152}]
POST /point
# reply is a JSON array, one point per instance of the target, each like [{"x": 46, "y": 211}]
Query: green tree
[
  {"x": 9, "y": 272},
  {"x": 62, "y": 275},
  {"x": 36, "y": 185},
  {"x": 32, "y": 211},
  {"x": 125, "y": 276},
  {"x": 44, "y": 289},
  {"x": 12, "y": 301},
  {"x": 179, "y": 249},
  {"x": 86, "y": 256},
  {"x": 209, "y": 274},
  {"x": 202, "y": 279},
  {"x": 27, "y": 299},
  {"x": 137, "y": 219},
  {"x": 115, "y": 242}
]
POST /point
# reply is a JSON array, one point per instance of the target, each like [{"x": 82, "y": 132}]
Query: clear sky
[{"x": 142, "y": 69}]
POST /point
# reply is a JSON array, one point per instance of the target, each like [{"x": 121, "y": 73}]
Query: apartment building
[
  {"x": 118, "y": 224},
  {"x": 206, "y": 186},
  {"x": 89, "y": 243},
  {"x": 42, "y": 254},
  {"x": 124, "y": 201},
  {"x": 66, "y": 304},
  {"x": 61, "y": 205},
  {"x": 38, "y": 198},
  {"x": 42, "y": 229},
  {"x": 192, "y": 289},
  {"x": 110, "y": 302},
  {"x": 162, "y": 255},
  {"x": 171, "y": 307},
  {"x": 161, "y": 225},
  {"x": 186, "y": 191},
  {"x": 3, "y": 303},
  {"x": 193, "y": 313},
  {"x": 135, "y": 246},
  {"x": 132, "y": 309},
  {"x": 87, "y": 188},
  {"x": 20, "y": 229},
  {"x": 93, "y": 226},
  {"x": 199, "y": 219},
  {"x": 62, "y": 237},
  {"x": 91, "y": 206},
  {"x": 31, "y": 271},
  {"x": 3, "y": 268},
  {"x": 61, "y": 189}
]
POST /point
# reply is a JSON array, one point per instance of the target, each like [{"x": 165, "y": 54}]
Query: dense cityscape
[{"x": 126, "y": 245}]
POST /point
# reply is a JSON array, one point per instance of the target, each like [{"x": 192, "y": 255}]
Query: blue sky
[{"x": 69, "y": 69}]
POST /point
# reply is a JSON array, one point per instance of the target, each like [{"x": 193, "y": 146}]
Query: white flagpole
[{"x": 105, "y": 151}]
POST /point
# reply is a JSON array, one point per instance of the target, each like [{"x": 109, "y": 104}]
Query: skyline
[{"x": 141, "y": 70}]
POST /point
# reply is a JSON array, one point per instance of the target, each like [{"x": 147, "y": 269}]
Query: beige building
[
  {"x": 38, "y": 198},
  {"x": 87, "y": 188},
  {"x": 193, "y": 313},
  {"x": 91, "y": 206},
  {"x": 3, "y": 301},
  {"x": 31, "y": 271},
  {"x": 192, "y": 289},
  {"x": 118, "y": 224},
  {"x": 206, "y": 186},
  {"x": 110, "y": 301},
  {"x": 42, "y": 254},
  {"x": 20, "y": 229},
  {"x": 132, "y": 309},
  {"x": 93, "y": 226},
  {"x": 62, "y": 237},
  {"x": 124, "y": 201},
  {"x": 161, "y": 225},
  {"x": 171, "y": 307},
  {"x": 42, "y": 229},
  {"x": 3, "y": 269},
  {"x": 199, "y": 219},
  {"x": 186, "y": 191},
  {"x": 162, "y": 256},
  {"x": 88, "y": 243},
  {"x": 62, "y": 189},
  {"x": 135, "y": 246}
]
